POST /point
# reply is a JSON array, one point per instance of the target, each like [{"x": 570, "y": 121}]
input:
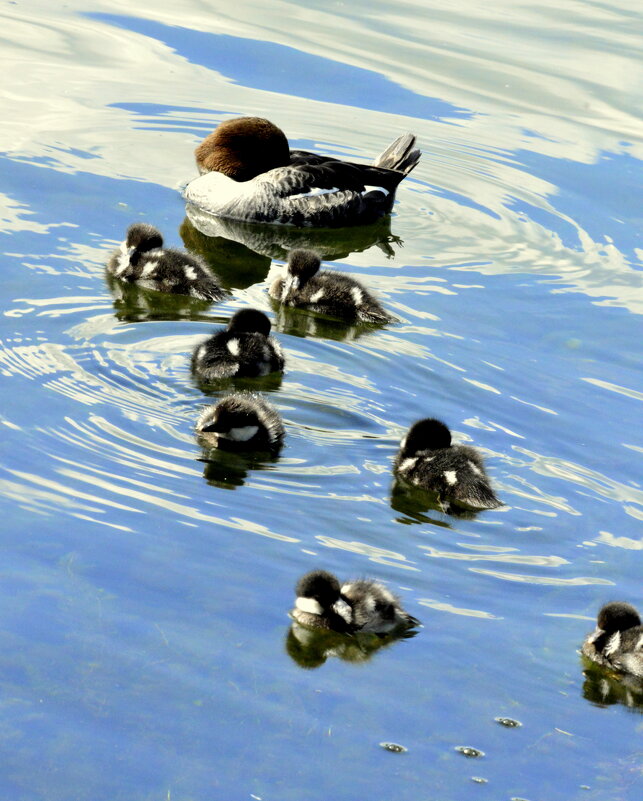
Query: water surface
[{"x": 145, "y": 592}]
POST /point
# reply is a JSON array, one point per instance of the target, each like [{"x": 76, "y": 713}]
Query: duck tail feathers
[{"x": 400, "y": 155}]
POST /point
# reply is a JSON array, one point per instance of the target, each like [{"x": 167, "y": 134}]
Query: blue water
[{"x": 145, "y": 592}]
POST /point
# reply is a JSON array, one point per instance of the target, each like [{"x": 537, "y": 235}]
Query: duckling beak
[{"x": 213, "y": 428}]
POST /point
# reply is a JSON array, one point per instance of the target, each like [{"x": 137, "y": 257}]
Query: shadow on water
[{"x": 310, "y": 648}]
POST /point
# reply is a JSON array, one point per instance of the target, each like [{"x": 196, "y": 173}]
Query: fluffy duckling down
[
  {"x": 455, "y": 472},
  {"x": 142, "y": 259},
  {"x": 243, "y": 349},
  {"x": 305, "y": 286}
]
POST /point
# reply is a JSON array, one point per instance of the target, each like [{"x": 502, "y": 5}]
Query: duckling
[
  {"x": 359, "y": 606},
  {"x": 241, "y": 421},
  {"x": 617, "y": 641},
  {"x": 456, "y": 472},
  {"x": 249, "y": 173},
  {"x": 326, "y": 292},
  {"x": 141, "y": 259},
  {"x": 244, "y": 348}
]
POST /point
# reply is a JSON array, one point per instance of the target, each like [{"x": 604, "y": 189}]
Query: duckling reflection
[
  {"x": 134, "y": 303},
  {"x": 416, "y": 504},
  {"x": 301, "y": 323},
  {"x": 276, "y": 241},
  {"x": 310, "y": 648},
  {"x": 229, "y": 470},
  {"x": 604, "y": 688}
]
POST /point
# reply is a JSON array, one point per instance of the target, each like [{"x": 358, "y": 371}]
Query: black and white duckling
[
  {"x": 617, "y": 641},
  {"x": 143, "y": 260},
  {"x": 455, "y": 472},
  {"x": 359, "y": 606},
  {"x": 249, "y": 173},
  {"x": 241, "y": 421},
  {"x": 243, "y": 349},
  {"x": 305, "y": 286}
]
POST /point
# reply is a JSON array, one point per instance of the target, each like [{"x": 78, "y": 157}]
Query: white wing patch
[
  {"x": 376, "y": 189},
  {"x": 149, "y": 269},
  {"x": 358, "y": 295},
  {"x": 233, "y": 346},
  {"x": 613, "y": 644},
  {"x": 314, "y": 191},
  {"x": 190, "y": 273},
  {"x": 474, "y": 468},
  {"x": 450, "y": 477},
  {"x": 317, "y": 296},
  {"x": 343, "y": 610}
]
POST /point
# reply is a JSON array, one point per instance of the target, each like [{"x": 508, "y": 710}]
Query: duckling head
[
  {"x": 229, "y": 421},
  {"x": 243, "y": 148},
  {"x": 618, "y": 616},
  {"x": 302, "y": 265},
  {"x": 249, "y": 321},
  {"x": 320, "y": 591},
  {"x": 426, "y": 435},
  {"x": 142, "y": 237}
]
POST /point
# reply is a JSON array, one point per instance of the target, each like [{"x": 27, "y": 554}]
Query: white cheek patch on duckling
[
  {"x": 243, "y": 433},
  {"x": 233, "y": 346},
  {"x": 200, "y": 354},
  {"x": 358, "y": 295},
  {"x": 450, "y": 477},
  {"x": 613, "y": 644},
  {"x": 343, "y": 610},
  {"x": 408, "y": 464},
  {"x": 309, "y": 605},
  {"x": 317, "y": 296}
]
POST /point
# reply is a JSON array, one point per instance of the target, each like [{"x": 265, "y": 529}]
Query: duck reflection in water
[
  {"x": 240, "y": 253},
  {"x": 310, "y": 648},
  {"x": 604, "y": 688}
]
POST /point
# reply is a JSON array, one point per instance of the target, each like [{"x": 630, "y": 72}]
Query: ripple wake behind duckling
[
  {"x": 304, "y": 285},
  {"x": 249, "y": 173},
  {"x": 362, "y": 605},
  {"x": 241, "y": 421},
  {"x": 617, "y": 641},
  {"x": 243, "y": 349},
  {"x": 455, "y": 472},
  {"x": 142, "y": 259}
]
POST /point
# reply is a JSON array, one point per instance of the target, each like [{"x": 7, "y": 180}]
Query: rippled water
[{"x": 144, "y": 634}]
